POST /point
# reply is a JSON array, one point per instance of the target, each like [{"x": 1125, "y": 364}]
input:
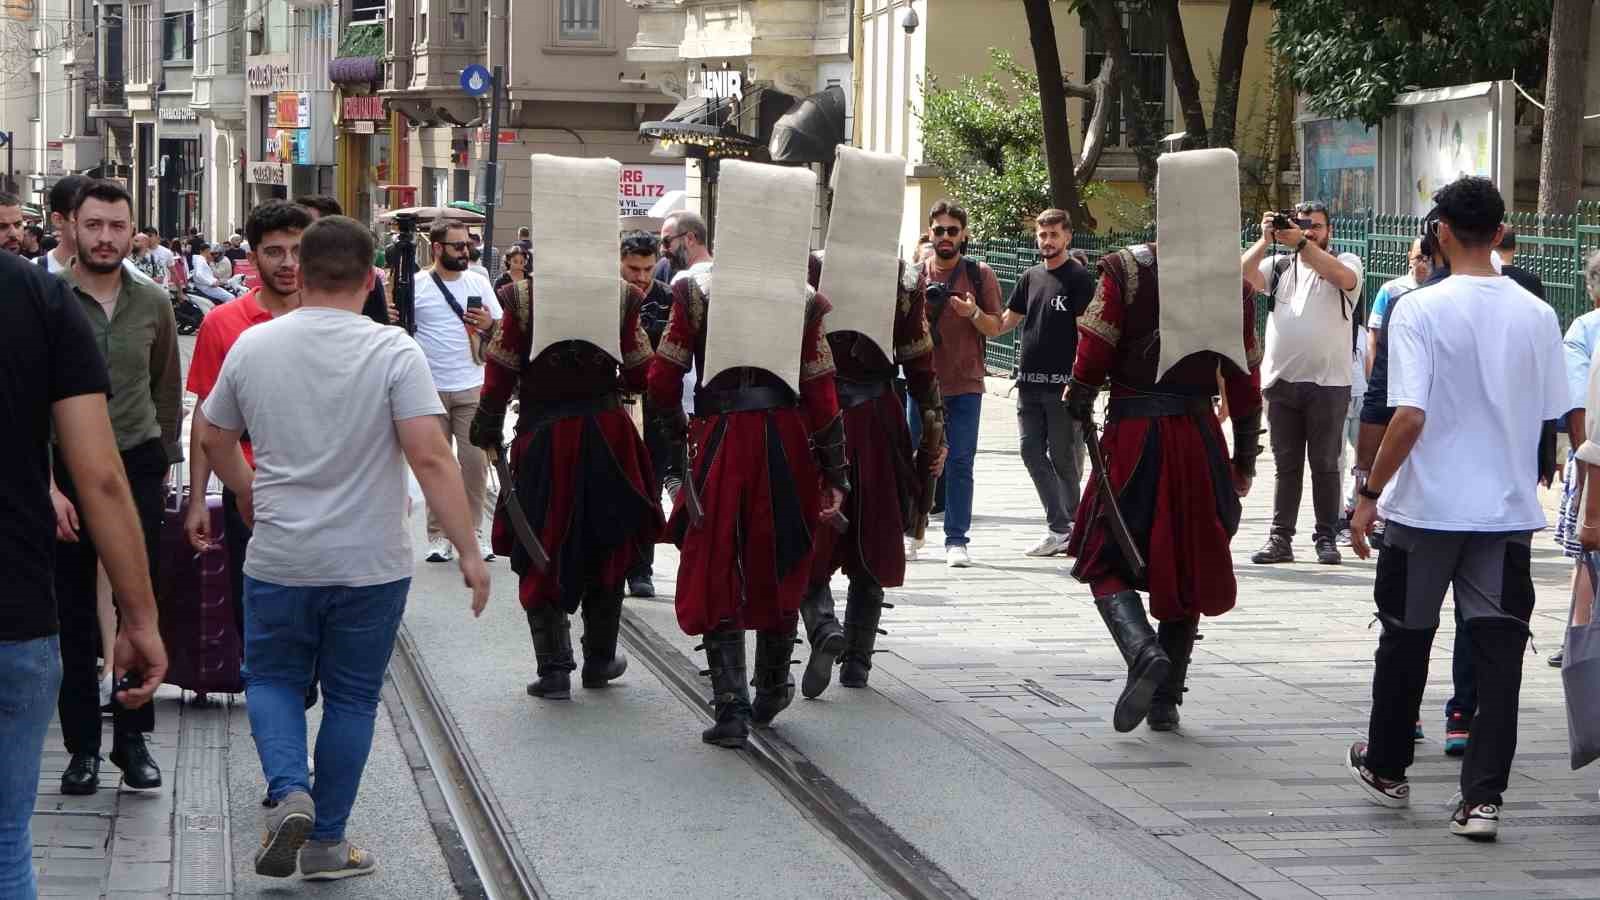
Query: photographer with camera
[
  {"x": 963, "y": 304},
  {"x": 1314, "y": 297}
]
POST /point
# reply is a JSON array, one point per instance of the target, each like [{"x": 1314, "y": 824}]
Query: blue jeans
[
  {"x": 31, "y": 673},
  {"x": 961, "y": 435},
  {"x": 345, "y": 635}
]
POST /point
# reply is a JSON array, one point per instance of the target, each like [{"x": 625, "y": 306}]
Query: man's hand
[
  {"x": 1362, "y": 521},
  {"x": 476, "y": 576},
  {"x": 197, "y": 524},
  {"x": 940, "y": 459},
  {"x": 964, "y": 305},
  {"x": 478, "y": 318},
  {"x": 832, "y": 502},
  {"x": 1241, "y": 482},
  {"x": 392, "y": 310},
  {"x": 66, "y": 517},
  {"x": 139, "y": 649}
]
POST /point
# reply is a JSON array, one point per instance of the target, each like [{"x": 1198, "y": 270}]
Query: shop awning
[
  {"x": 812, "y": 131},
  {"x": 705, "y": 127}
]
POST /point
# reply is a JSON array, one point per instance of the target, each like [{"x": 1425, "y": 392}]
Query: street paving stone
[{"x": 1254, "y": 785}]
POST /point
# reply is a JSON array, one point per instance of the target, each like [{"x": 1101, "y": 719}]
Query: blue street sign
[
  {"x": 476, "y": 80},
  {"x": 5, "y": 138}
]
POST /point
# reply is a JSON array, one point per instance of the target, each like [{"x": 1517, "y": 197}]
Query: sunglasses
[
  {"x": 457, "y": 246},
  {"x": 946, "y": 230}
]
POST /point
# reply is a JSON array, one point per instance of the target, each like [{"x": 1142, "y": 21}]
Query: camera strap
[{"x": 449, "y": 297}]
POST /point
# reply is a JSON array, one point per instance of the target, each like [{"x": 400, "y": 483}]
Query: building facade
[
  {"x": 569, "y": 90},
  {"x": 47, "y": 69},
  {"x": 289, "y": 102},
  {"x": 218, "y": 105},
  {"x": 799, "y": 47}
]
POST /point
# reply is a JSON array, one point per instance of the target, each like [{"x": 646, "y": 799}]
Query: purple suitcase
[{"x": 198, "y": 621}]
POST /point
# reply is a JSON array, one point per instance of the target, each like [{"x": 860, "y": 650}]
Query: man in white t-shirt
[
  {"x": 330, "y": 562},
  {"x": 451, "y": 304},
  {"x": 1306, "y": 372},
  {"x": 1456, "y": 479}
]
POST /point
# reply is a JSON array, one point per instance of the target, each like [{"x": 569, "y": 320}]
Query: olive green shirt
[{"x": 140, "y": 346}]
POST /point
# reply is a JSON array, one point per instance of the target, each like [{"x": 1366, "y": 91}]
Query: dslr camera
[{"x": 1290, "y": 219}]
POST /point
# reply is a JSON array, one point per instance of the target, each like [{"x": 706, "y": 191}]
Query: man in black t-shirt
[
  {"x": 1046, "y": 302},
  {"x": 44, "y": 383},
  {"x": 1524, "y": 278}
]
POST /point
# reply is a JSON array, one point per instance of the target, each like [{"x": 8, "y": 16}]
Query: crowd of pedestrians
[{"x": 1415, "y": 390}]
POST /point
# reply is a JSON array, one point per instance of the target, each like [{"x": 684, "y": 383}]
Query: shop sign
[
  {"x": 718, "y": 84},
  {"x": 507, "y": 136},
  {"x": 640, "y": 186},
  {"x": 266, "y": 77},
  {"x": 178, "y": 114},
  {"x": 365, "y": 108},
  {"x": 260, "y": 172},
  {"x": 293, "y": 109},
  {"x": 364, "y": 126}
]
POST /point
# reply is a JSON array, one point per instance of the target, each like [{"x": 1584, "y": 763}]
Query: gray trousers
[
  {"x": 1052, "y": 449},
  {"x": 1305, "y": 423}
]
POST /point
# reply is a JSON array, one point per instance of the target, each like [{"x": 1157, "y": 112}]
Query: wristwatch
[
  {"x": 1369, "y": 493},
  {"x": 976, "y": 312}
]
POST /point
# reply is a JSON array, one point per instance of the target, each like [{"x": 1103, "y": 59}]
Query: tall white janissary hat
[
  {"x": 861, "y": 268},
  {"x": 577, "y": 286},
  {"x": 1197, "y": 232}
]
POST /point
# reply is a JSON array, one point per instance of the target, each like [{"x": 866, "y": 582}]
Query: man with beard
[
  {"x": 1313, "y": 295},
  {"x": 581, "y": 471},
  {"x": 869, "y": 337},
  {"x": 132, "y": 321},
  {"x": 639, "y": 253},
  {"x": 62, "y": 197},
  {"x": 447, "y": 323},
  {"x": 11, "y": 225},
  {"x": 274, "y": 228},
  {"x": 768, "y": 441},
  {"x": 1171, "y": 485},
  {"x": 959, "y": 325}
]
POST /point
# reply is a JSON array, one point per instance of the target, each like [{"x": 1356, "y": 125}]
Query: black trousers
[
  {"x": 79, "y": 702},
  {"x": 658, "y": 449},
  {"x": 235, "y": 537}
]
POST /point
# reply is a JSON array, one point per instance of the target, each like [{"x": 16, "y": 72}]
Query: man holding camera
[
  {"x": 455, "y": 310},
  {"x": 1313, "y": 296},
  {"x": 963, "y": 300}
]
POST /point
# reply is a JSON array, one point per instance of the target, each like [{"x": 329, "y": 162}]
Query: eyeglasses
[
  {"x": 667, "y": 239},
  {"x": 946, "y": 230},
  {"x": 1416, "y": 258}
]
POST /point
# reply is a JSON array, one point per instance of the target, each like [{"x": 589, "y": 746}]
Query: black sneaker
[
  {"x": 1275, "y": 550},
  {"x": 1395, "y": 794},
  {"x": 1556, "y": 658},
  {"x": 1480, "y": 823},
  {"x": 1327, "y": 552}
]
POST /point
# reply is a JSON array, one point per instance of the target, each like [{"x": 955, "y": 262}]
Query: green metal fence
[{"x": 1552, "y": 247}]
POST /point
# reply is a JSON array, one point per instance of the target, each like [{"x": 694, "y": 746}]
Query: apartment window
[
  {"x": 578, "y": 22},
  {"x": 236, "y": 36},
  {"x": 177, "y": 37},
  {"x": 366, "y": 11},
  {"x": 422, "y": 29},
  {"x": 1147, "y": 44}
]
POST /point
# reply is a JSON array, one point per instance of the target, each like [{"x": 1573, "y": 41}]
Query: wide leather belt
[
  {"x": 535, "y": 415},
  {"x": 1147, "y": 406},
  {"x": 741, "y": 399},
  {"x": 855, "y": 393}
]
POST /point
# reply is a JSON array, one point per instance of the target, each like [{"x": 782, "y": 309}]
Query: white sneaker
[
  {"x": 912, "y": 546},
  {"x": 440, "y": 551},
  {"x": 488, "y": 554},
  {"x": 956, "y": 557},
  {"x": 1051, "y": 544}
]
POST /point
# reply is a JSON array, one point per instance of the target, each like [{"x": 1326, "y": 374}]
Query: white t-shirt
[
  {"x": 1482, "y": 358},
  {"x": 440, "y": 332},
  {"x": 1308, "y": 333},
  {"x": 320, "y": 391}
]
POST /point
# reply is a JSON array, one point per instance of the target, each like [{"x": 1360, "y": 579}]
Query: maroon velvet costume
[
  {"x": 1170, "y": 472},
  {"x": 584, "y": 475},
  {"x": 748, "y": 562},
  {"x": 884, "y": 476}
]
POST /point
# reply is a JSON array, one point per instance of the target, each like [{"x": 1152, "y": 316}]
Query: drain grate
[{"x": 200, "y": 840}]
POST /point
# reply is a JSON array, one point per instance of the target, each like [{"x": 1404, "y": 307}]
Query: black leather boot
[
  {"x": 826, "y": 636},
  {"x": 1177, "y": 641},
  {"x": 82, "y": 775},
  {"x": 773, "y": 683},
  {"x": 602, "y": 616},
  {"x": 1123, "y": 613},
  {"x": 552, "y": 647},
  {"x": 139, "y": 771},
  {"x": 862, "y": 611},
  {"x": 730, "y": 695}
]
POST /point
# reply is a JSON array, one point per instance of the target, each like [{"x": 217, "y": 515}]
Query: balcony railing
[{"x": 106, "y": 97}]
